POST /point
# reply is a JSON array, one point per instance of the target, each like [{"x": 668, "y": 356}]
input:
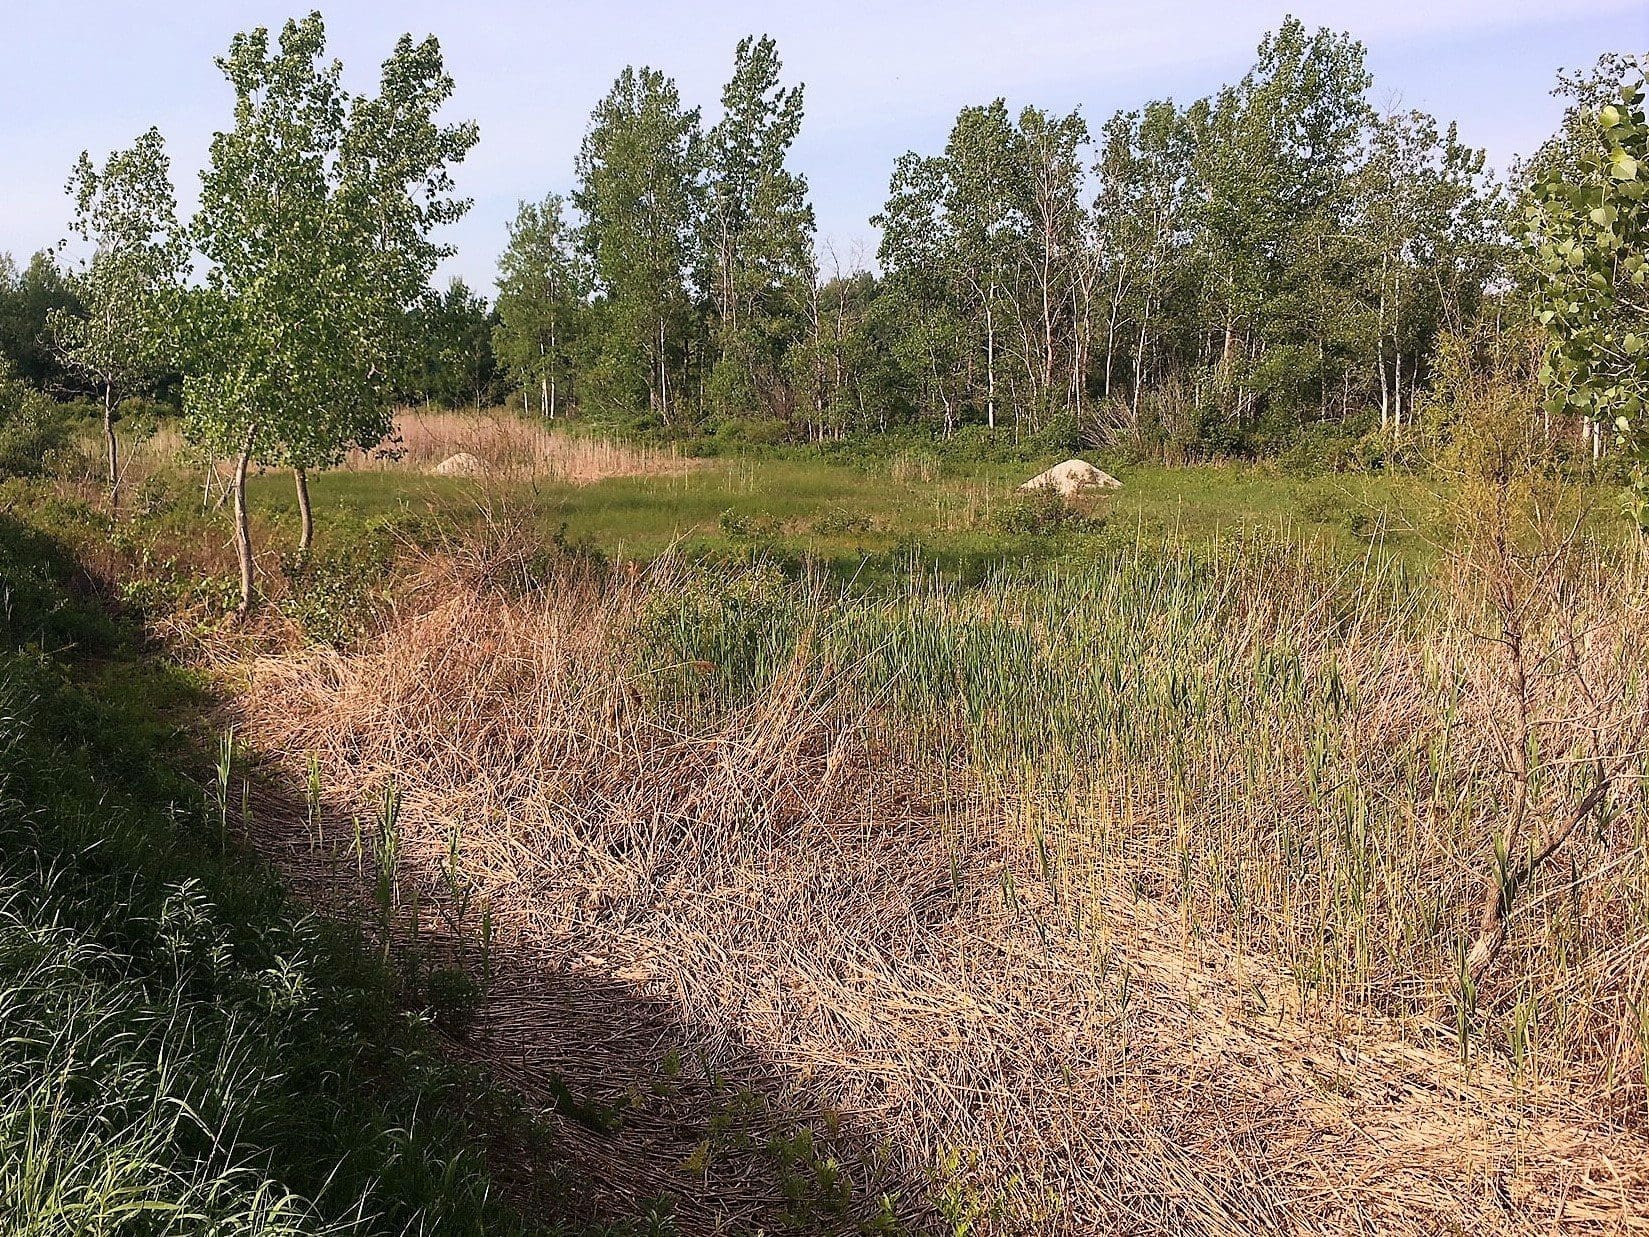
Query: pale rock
[
  {"x": 1072, "y": 477},
  {"x": 461, "y": 465}
]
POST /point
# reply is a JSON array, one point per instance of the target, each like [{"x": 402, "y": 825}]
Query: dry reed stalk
[
  {"x": 510, "y": 447},
  {"x": 1009, "y": 1004}
]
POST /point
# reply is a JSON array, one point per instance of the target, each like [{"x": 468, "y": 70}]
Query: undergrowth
[{"x": 185, "y": 1051}]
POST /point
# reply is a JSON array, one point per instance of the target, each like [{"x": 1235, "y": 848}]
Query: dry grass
[
  {"x": 1133, "y": 903},
  {"x": 510, "y": 447}
]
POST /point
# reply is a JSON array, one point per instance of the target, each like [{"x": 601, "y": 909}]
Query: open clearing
[
  {"x": 636, "y": 503},
  {"x": 1119, "y": 895}
]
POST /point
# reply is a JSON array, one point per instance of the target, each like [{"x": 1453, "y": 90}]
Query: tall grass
[
  {"x": 1123, "y": 899},
  {"x": 181, "y": 1049},
  {"x": 509, "y": 447}
]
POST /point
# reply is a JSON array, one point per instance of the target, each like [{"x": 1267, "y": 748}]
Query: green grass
[
  {"x": 184, "y": 1051},
  {"x": 872, "y": 518}
]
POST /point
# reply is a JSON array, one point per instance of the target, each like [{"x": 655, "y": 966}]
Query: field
[
  {"x": 856, "y": 515},
  {"x": 836, "y": 845}
]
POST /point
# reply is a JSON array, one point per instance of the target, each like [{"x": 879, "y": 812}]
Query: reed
[
  {"x": 509, "y": 447},
  {"x": 1123, "y": 899}
]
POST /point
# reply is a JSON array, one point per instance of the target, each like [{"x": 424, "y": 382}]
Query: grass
[
  {"x": 871, "y": 866},
  {"x": 1065, "y": 878},
  {"x": 871, "y": 518},
  {"x": 185, "y": 1050}
]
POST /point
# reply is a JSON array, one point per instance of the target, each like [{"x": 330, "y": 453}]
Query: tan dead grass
[
  {"x": 511, "y": 448},
  {"x": 877, "y": 933}
]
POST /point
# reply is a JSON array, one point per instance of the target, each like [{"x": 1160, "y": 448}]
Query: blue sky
[{"x": 881, "y": 78}]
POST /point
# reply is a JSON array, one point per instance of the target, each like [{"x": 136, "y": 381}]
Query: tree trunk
[
  {"x": 1397, "y": 392},
  {"x": 114, "y": 447},
  {"x": 306, "y": 514},
  {"x": 243, "y": 527},
  {"x": 1380, "y": 353},
  {"x": 1139, "y": 366},
  {"x": 990, "y": 364},
  {"x": 1385, "y": 386},
  {"x": 1111, "y": 334},
  {"x": 663, "y": 376}
]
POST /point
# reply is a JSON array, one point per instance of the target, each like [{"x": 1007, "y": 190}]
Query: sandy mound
[
  {"x": 461, "y": 465},
  {"x": 1071, "y": 477}
]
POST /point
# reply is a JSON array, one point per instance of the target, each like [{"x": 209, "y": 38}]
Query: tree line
[
  {"x": 1224, "y": 276},
  {"x": 1233, "y": 275}
]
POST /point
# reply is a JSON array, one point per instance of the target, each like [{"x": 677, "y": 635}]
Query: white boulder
[
  {"x": 1072, "y": 477},
  {"x": 461, "y": 465}
]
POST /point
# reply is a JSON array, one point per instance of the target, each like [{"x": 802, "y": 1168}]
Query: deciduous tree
[
  {"x": 758, "y": 232},
  {"x": 315, "y": 219},
  {"x": 1588, "y": 237},
  {"x": 542, "y": 287},
  {"x": 639, "y": 192},
  {"x": 128, "y": 285}
]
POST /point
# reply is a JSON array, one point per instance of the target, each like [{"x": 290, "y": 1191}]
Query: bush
[
  {"x": 1330, "y": 447},
  {"x": 839, "y": 522},
  {"x": 32, "y": 428},
  {"x": 752, "y": 526},
  {"x": 1042, "y": 512}
]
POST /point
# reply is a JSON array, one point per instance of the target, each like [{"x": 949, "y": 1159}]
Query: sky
[{"x": 880, "y": 79}]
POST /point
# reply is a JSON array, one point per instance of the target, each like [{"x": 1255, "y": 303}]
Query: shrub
[
  {"x": 1042, "y": 512},
  {"x": 839, "y": 522},
  {"x": 747, "y": 526},
  {"x": 32, "y": 427}
]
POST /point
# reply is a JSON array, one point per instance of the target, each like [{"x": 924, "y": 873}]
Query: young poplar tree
[
  {"x": 1271, "y": 156},
  {"x": 1588, "y": 233},
  {"x": 919, "y": 306},
  {"x": 315, "y": 217},
  {"x": 639, "y": 192},
  {"x": 758, "y": 228},
  {"x": 983, "y": 171},
  {"x": 542, "y": 285},
  {"x": 1145, "y": 196},
  {"x": 128, "y": 285},
  {"x": 1422, "y": 235},
  {"x": 1049, "y": 196}
]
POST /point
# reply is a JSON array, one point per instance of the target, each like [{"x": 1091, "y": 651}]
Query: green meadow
[{"x": 884, "y": 512}]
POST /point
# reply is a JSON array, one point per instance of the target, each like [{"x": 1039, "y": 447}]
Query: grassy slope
[{"x": 184, "y": 1051}]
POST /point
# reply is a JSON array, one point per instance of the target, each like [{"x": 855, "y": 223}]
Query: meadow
[
  {"x": 835, "y": 845},
  {"x": 852, "y": 514}
]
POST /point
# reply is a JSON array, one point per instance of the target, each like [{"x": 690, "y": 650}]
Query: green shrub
[
  {"x": 747, "y": 525},
  {"x": 840, "y": 522},
  {"x": 335, "y": 595},
  {"x": 32, "y": 427},
  {"x": 1042, "y": 512}
]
